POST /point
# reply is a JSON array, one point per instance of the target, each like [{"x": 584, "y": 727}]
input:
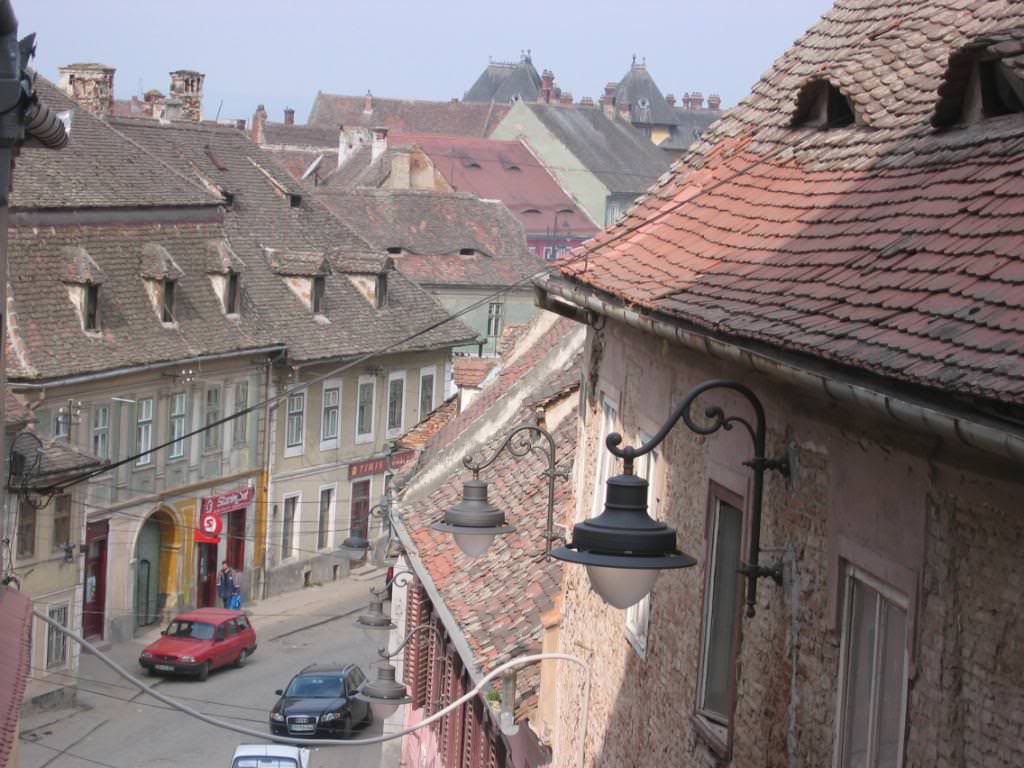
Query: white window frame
[
  {"x": 290, "y": 448},
  {"x": 609, "y": 423},
  {"x": 101, "y": 432},
  {"x": 638, "y": 616},
  {"x": 53, "y": 637},
  {"x": 293, "y": 549},
  {"x": 62, "y": 422},
  {"x": 178, "y": 421},
  {"x": 852, "y": 574},
  {"x": 495, "y": 319},
  {"x": 213, "y": 438},
  {"x": 330, "y": 443},
  {"x": 240, "y": 425},
  {"x": 396, "y": 431},
  {"x": 430, "y": 370},
  {"x": 366, "y": 437},
  {"x": 331, "y": 514},
  {"x": 144, "y": 431}
]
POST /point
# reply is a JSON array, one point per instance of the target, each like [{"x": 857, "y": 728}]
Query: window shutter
[
  {"x": 456, "y": 719},
  {"x": 434, "y": 670},
  {"x": 446, "y": 699},
  {"x": 468, "y": 733},
  {"x": 418, "y": 651}
]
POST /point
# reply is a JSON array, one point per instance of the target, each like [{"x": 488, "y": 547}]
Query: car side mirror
[{"x": 279, "y": 692}]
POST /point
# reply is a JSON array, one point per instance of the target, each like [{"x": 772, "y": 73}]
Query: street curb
[{"x": 316, "y": 624}]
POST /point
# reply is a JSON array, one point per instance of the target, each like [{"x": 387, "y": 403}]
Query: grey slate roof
[
  {"x": 691, "y": 123},
  {"x": 280, "y": 134},
  {"x": 504, "y": 82},
  {"x": 621, "y": 157},
  {"x": 647, "y": 106},
  {"x": 410, "y": 115}
]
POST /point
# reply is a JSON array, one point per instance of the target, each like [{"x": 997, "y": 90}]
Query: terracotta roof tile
[
  {"x": 16, "y": 640},
  {"x": 471, "y": 371}
]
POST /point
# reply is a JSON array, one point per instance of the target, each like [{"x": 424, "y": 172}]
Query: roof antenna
[{"x": 634, "y": 59}]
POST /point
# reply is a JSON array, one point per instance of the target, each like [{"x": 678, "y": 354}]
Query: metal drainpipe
[{"x": 270, "y": 441}]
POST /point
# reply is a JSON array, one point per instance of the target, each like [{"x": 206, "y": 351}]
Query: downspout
[
  {"x": 269, "y": 442},
  {"x": 973, "y": 434}
]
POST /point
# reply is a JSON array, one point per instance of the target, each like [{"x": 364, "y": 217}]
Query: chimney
[
  {"x": 686, "y": 100},
  {"x": 368, "y": 103},
  {"x": 623, "y": 110},
  {"x": 608, "y": 100},
  {"x": 349, "y": 142},
  {"x": 91, "y": 85},
  {"x": 259, "y": 120},
  {"x": 289, "y": 116},
  {"x": 586, "y": 101},
  {"x": 565, "y": 97},
  {"x": 173, "y": 109},
  {"x": 547, "y": 85},
  {"x": 671, "y": 99},
  {"x": 696, "y": 100},
  {"x": 400, "y": 171},
  {"x": 380, "y": 142},
  {"x": 240, "y": 124},
  {"x": 187, "y": 87},
  {"x": 714, "y": 101}
]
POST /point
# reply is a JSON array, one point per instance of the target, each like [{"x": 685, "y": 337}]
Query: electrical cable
[
  {"x": 70, "y": 754},
  {"x": 496, "y": 672}
]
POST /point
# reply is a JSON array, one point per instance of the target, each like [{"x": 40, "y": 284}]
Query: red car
[{"x": 199, "y": 641}]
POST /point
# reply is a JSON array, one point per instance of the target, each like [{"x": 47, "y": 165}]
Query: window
[
  {"x": 61, "y": 521},
  {"x": 609, "y": 418},
  {"x": 364, "y": 409},
  {"x": 323, "y": 523},
  {"x": 144, "y": 431},
  {"x": 318, "y": 295},
  {"x": 873, "y": 683},
  {"x": 549, "y": 253},
  {"x": 179, "y": 403},
  {"x": 638, "y": 614},
  {"x": 62, "y": 423},
  {"x": 91, "y": 317},
  {"x": 396, "y": 403},
  {"x": 331, "y": 410},
  {"x": 231, "y": 294},
  {"x": 211, "y": 435},
  {"x": 101, "y": 432},
  {"x": 721, "y": 613},
  {"x": 26, "y": 529},
  {"x": 494, "y": 312},
  {"x": 820, "y": 104},
  {"x": 427, "y": 377},
  {"x": 296, "y": 417},
  {"x": 167, "y": 308},
  {"x": 291, "y": 504},
  {"x": 240, "y": 426},
  {"x": 56, "y": 641},
  {"x": 359, "y": 511}
]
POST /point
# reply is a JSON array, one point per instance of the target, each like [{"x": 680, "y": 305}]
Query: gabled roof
[
  {"x": 430, "y": 229},
  {"x": 885, "y": 248},
  {"x": 451, "y": 117},
  {"x": 505, "y": 171},
  {"x": 647, "y": 105},
  {"x": 505, "y": 82},
  {"x": 621, "y": 157},
  {"x": 690, "y": 124},
  {"x": 284, "y": 135}
]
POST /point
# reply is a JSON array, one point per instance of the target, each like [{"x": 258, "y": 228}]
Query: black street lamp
[
  {"x": 624, "y": 549},
  {"x": 357, "y": 545},
  {"x": 385, "y": 694},
  {"x": 374, "y": 622},
  {"x": 474, "y": 521}
]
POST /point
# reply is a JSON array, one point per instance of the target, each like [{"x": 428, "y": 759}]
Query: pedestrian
[{"x": 228, "y": 587}]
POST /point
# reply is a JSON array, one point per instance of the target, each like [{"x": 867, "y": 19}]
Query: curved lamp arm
[
  {"x": 759, "y": 463},
  {"x": 398, "y": 579},
  {"x": 518, "y": 443},
  {"x": 383, "y": 652}
]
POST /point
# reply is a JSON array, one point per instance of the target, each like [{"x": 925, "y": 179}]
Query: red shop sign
[
  {"x": 228, "y": 501},
  {"x": 210, "y": 525},
  {"x": 368, "y": 467}
]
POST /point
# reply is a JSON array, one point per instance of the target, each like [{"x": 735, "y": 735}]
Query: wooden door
[
  {"x": 94, "y": 599},
  {"x": 360, "y": 511},
  {"x": 206, "y": 576},
  {"x": 236, "y": 540}
]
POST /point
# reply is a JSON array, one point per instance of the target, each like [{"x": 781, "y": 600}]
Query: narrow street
[{"x": 118, "y": 727}]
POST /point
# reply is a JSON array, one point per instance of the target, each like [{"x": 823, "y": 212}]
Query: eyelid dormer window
[
  {"x": 821, "y": 104},
  {"x": 983, "y": 80},
  {"x": 224, "y": 268},
  {"x": 161, "y": 274},
  {"x": 83, "y": 277}
]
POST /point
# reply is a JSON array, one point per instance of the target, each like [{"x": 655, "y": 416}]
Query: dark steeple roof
[
  {"x": 504, "y": 82},
  {"x": 647, "y": 106}
]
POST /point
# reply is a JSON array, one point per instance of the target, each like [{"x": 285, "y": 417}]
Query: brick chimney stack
[
  {"x": 91, "y": 85},
  {"x": 671, "y": 99},
  {"x": 696, "y": 100},
  {"x": 608, "y": 100},
  {"x": 379, "y": 142},
  {"x": 289, "y": 116},
  {"x": 547, "y": 85},
  {"x": 259, "y": 120},
  {"x": 714, "y": 101},
  {"x": 565, "y": 97},
  {"x": 187, "y": 87},
  {"x": 368, "y": 103},
  {"x": 586, "y": 101}
]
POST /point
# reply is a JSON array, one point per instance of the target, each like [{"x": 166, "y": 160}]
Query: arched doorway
[{"x": 156, "y": 566}]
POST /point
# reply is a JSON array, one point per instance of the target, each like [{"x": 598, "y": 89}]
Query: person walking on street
[{"x": 228, "y": 587}]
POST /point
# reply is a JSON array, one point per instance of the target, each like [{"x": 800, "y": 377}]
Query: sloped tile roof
[
  {"x": 431, "y": 228},
  {"x": 647, "y": 105},
  {"x": 451, "y": 117},
  {"x": 419, "y": 436},
  {"x": 690, "y": 124},
  {"x": 621, "y": 157},
  {"x": 280, "y": 134},
  {"x": 503, "y": 82},
  {"x": 15, "y": 662},
  {"x": 471, "y": 371},
  {"x": 886, "y": 247}
]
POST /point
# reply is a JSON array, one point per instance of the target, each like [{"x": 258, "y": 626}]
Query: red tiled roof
[
  {"x": 884, "y": 246},
  {"x": 436, "y": 420},
  {"x": 471, "y": 371},
  {"x": 16, "y": 641}
]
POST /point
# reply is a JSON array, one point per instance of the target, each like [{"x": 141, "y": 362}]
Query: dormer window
[
  {"x": 317, "y": 298},
  {"x": 231, "y": 294},
  {"x": 224, "y": 268},
  {"x": 1002, "y": 92},
  {"x": 395, "y": 250},
  {"x": 83, "y": 277},
  {"x": 820, "y": 104},
  {"x": 466, "y": 251},
  {"x": 161, "y": 273},
  {"x": 982, "y": 81},
  {"x": 91, "y": 311},
  {"x": 167, "y": 302}
]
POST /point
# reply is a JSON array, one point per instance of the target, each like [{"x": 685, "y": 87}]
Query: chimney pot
[
  {"x": 368, "y": 103},
  {"x": 586, "y": 101},
  {"x": 714, "y": 101},
  {"x": 91, "y": 85},
  {"x": 671, "y": 99},
  {"x": 289, "y": 116},
  {"x": 379, "y": 142},
  {"x": 547, "y": 85},
  {"x": 696, "y": 100},
  {"x": 187, "y": 88},
  {"x": 565, "y": 97},
  {"x": 610, "y": 89},
  {"x": 259, "y": 120}
]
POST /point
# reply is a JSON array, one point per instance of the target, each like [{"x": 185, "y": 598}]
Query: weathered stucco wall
[{"x": 942, "y": 528}]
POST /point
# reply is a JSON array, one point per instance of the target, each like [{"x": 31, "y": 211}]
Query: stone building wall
[{"x": 942, "y": 527}]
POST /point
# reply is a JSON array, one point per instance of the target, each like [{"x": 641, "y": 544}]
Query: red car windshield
[{"x": 195, "y": 630}]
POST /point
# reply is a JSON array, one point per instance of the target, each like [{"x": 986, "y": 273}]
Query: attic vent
[
  {"x": 820, "y": 104},
  {"x": 531, "y": 210},
  {"x": 395, "y": 250},
  {"x": 469, "y": 162},
  {"x": 466, "y": 251},
  {"x": 984, "y": 79},
  {"x": 294, "y": 199}
]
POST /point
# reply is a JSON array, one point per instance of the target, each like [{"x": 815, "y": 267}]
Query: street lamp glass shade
[
  {"x": 384, "y": 695},
  {"x": 474, "y": 521},
  {"x": 623, "y": 547},
  {"x": 621, "y": 587},
  {"x": 355, "y": 546},
  {"x": 375, "y": 624}
]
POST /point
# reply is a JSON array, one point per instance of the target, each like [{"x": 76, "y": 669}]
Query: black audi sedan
[{"x": 320, "y": 701}]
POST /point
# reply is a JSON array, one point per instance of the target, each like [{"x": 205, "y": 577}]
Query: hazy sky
[{"x": 281, "y": 53}]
